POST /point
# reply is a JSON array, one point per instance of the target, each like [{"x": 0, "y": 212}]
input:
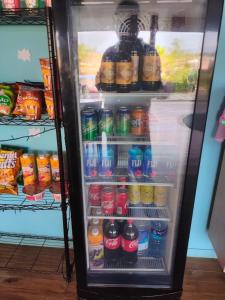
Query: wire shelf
[
  {"x": 143, "y": 264},
  {"x": 23, "y": 16},
  {"x": 19, "y": 203},
  {"x": 20, "y": 121},
  {"x": 134, "y": 213}
]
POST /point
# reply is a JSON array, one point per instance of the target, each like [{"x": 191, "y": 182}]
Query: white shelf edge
[
  {"x": 128, "y": 218},
  {"x": 127, "y": 270},
  {"x": 129, "y": 183}
]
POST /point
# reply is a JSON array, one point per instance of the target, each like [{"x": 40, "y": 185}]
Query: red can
[
  {"x": 121, "y": 202},
  {"x": 107, "y": 201},
  {"x": 11, "y": 4},
  {"x": 122, "y": 179},
  {"x": 94, "y": 195}
]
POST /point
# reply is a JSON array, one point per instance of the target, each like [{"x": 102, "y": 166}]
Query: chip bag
[
  {"x": 9, "y": 167},
  {"x": 6, "y": 100}
]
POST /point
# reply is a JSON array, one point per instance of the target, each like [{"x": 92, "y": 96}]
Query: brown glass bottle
[
  {"x": 124, "y": 67},
  {"x": 151, "y": 75},
  {"x": 108, "y": 70}
]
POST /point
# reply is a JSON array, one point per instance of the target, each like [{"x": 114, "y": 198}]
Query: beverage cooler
[{"x": 135, "y": 80}]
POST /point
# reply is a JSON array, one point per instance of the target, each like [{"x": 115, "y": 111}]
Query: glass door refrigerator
[{"x": 135, "y": 80}]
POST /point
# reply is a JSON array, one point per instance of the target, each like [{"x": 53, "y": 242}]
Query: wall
[
  {"x": 12, "y": 69},
  {"x": 49, "y": 223},
  {"x": 199, "y": 243}
]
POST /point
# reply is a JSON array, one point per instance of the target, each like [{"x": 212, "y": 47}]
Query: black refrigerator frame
[{"x": 67, "y": 78}]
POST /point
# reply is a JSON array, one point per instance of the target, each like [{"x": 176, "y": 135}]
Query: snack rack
[{"x": 19, "y": 203}]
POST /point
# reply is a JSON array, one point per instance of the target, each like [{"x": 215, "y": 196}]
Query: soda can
[
  {"x": 106, "y": 165},
  {"x": 107, "y": 201},
  {"x": 147, "y": 195},
  {"x": 123, "y": 121},
  {"x": 121, "y": 202},
  {"x": 90, "y": 161},
  {"x": 89, "y": 124},
  {"x": 44, "y": 169},
  {"x": 94, "y": 195},
  {"x": 28, "y": 168},
  {"x": 138, "y": 121},
  {"x": 11, "y": 4},
  {"x": 105, "y": 122},
  {"x": 32, "y": 3},
  {"x": 135, "y": 163},
  {"x": 54, "y": 161},
  {"x": 160, "y": 196},
  {"x": 122, "y": 179},
  {"x": 134, "y": 195}
]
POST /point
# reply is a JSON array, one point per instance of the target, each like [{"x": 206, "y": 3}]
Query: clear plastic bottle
[
  {"x": 158, "y": 235},
  {"x": 143, "y": 237}
]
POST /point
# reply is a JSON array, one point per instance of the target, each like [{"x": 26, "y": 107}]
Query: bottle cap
[{"x": 129, "y": 222}]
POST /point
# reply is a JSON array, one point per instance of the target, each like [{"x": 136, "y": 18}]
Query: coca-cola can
[
  {"x": 122, "y": 179},
  {"x": 107, "y": 201},
  {"x": 94, "y": 195},
  {"x": 121, "y": 202}
]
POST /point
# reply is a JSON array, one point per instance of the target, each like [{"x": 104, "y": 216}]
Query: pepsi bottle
[
  {"x": 129, "y": 243},
  {"x": 112, "y": 241}
]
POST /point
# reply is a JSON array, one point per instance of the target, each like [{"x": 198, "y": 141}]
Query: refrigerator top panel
[{"x": 136, "y": 70}]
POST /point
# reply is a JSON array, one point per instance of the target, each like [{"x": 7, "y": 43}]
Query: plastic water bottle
[
  {"x": 143, "y": 237},
  {"x": 158, "y": 234}
]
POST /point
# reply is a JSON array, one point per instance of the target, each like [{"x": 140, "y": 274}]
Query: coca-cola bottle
[
  {"x": 112, "y": 241},
  {"x": 129, "y": 243}
]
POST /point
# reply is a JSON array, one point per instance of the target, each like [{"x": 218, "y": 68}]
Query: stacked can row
[
  {"x": 116, "y": 200},
  {"x": 103, "y": 122}
]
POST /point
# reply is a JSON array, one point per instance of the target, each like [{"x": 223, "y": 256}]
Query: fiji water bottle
[
  {"x": 106, "y": 161},
  {"x": 135, "y": 162},
  {"x": 147, "y": 162},
  {"x": 90, "y": 160},
  {"x": 158, "y": 234}
]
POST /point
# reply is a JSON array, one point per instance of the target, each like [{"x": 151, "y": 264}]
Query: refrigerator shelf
[
  {"x": 114, "y": 180},
  {"x": 135, "y": 98},
  {"x": 134, "y": 213},
  {"x": 144, "y": 264},
  {"x": 20, "y": 121},
  {"x": 127, "y": 140}
]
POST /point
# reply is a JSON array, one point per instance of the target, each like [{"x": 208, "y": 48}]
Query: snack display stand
[{"x": 48, "y": 203}]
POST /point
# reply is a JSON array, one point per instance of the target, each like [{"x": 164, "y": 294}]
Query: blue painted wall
[
  {"x": 199, "y": 244},
  {"x": 34, "y": 38}
]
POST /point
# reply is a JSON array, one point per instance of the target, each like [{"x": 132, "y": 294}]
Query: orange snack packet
[
  {"x": 32, "y": 101},
  {"x": 49, "y": 104},
  {"x": 9, "y": 168},
  {"x": 46, "y": 73},
  {"x": 44, "y": 170},
  {"x": 28, "y": 168}
]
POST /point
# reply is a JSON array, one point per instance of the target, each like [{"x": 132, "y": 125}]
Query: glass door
[{"x": 137, "y": 70}]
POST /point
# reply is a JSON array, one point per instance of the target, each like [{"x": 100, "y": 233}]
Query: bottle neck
[{"x": 152, "y": 38}]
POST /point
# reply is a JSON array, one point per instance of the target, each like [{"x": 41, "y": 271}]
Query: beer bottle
[
  {"x": 124, "y": 67},
  {"x": 151, "y": 76},
  {"x": 108, "y": 69}
]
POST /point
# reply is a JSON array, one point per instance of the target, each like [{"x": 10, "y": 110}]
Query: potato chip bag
[
  {"x": 9, "y": 167},
  {"x": 6, "y": 100}
]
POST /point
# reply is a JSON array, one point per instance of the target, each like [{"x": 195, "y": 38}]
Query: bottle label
[
  {"x": 124, "y": 72},
  {"x": 108, "y": 72},
  {"x": 135, "y": 65},
  {"x": 151, "y": 68},
  {"x": 112, "y": 244},
  {"x": 143, "y": 241},
  {"x": 129, "y": 246}
]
